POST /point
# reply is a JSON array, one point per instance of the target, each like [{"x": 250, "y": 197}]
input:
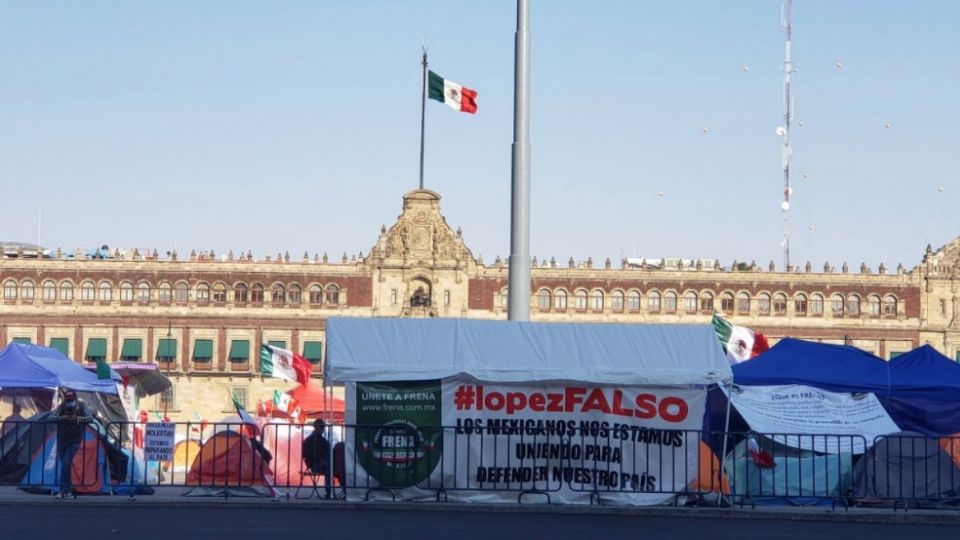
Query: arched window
[
  {"x": 560, "y": 299},
  {"x": 816, "y": 305},
  {"x": 543, "y": 299},
  {"x": 105, "y": 293},
  {"x": 836, "y": 305},
  {"x": 670, "y": 302},
  {"x": 295, "y": 294},
  {"x": 853, "y": 306},
  {"x": 278, "y": 295},
  {"x": 143, "y": 292},
  {"x": 316, "y": 295},
  {"x": 763, "y": 303},
  {"x": 889, "y": 306},
  {"x": 800, "y": 304},
  {"x": 743, "y": 303},
  {"x": 203, "y": 293},
  {"x": 333, "y": 294},
  {"x": 88, "y": 292},
  {"x": 873, "y": 305},
  {"x": 66, "y": 291},
  {"x": 690, "y": 302},
  {"x": 706, "y": 302},
  {"x": 219, "y": 293},
  {"x": 164, "y": 292},
  {"x": 240, "y": 293},
  {"x": 26, "y": 290},
  {"x": 726, "y": 302},
  {"x": 126, "y": 292},
  {"x": 580, "y": 299},
  {"x": 653, "y": 301},
  {"x": 596, "y": 300},
  {"x": 616, "y": 301},
  {"x": 780, "y": 304},
  {"x": 9, "y": 290},
  {"x": 633, "y": 301},
  {"x": 181, "y": 293},
  {"x": 49, "y": 291},
  {"x": 256, "y": 293}
]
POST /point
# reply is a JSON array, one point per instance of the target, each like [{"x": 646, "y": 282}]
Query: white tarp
[
  {"x": 364, "y": 349},
  {"x": 831, "y": 421}
]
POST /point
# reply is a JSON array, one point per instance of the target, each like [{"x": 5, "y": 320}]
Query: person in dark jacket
[
  {"x": 316, "y": 449},
  {"x": 71, "y": 417}
]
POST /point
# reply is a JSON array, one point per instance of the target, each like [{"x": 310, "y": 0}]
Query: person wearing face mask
[{"x": 71, "y": 417}]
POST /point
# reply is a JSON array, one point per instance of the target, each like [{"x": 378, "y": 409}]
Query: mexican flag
[
  {"x": 460, "y": 98},
  {"x": 284, "y": 364},
  {"x": 739, "y": 342},
  {"x": 284, "y": 402}
]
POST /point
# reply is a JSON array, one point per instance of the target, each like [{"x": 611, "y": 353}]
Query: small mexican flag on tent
[
  {"x": 739, "y": 342},
  {"x": 284, "y": 402},
  {"x": 284, "y": 364},
  {"x": 458, "y": 97}
]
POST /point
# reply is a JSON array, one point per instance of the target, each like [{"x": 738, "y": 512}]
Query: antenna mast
[{"x": 787, "y": 24}]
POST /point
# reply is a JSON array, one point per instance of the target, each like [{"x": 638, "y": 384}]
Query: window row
[
  {"x": 132, "y": 350},
  {"x": 851, "y": 305},
  {"x": 203, "y": 293}
]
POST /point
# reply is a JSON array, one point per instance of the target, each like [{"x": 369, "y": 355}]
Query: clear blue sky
[{"x": 286, "y": 125}]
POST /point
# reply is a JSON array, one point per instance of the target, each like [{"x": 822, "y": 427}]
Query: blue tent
[
  {"x": 838, "y": 368},
  {"x": 920, "y": 389},
  {"x": 925, "y": 387},
  {"x": 33, "y": 366}
]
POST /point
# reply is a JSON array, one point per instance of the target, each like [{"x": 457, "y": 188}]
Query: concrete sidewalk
[{"x": 171, "y": 498}]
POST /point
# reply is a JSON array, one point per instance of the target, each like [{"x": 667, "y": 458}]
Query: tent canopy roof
[
  {"x": 33, "y": 366},
  {"x": 508, "y": 351},
  {"x": 839, "y": 368},
  {"x": 925, "y": 373}
]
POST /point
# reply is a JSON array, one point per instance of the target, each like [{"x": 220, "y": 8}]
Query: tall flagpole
[
  {"x": 787, "y": 118},
  {"x": 423, "y": 111},
  {"x": 518, "y": 306}
]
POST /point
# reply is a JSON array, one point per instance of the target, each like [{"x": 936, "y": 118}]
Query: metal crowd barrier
[{"x": 526, "y": 462}]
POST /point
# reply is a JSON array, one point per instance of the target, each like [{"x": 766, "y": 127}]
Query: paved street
[{"x": 65, "y": 519}]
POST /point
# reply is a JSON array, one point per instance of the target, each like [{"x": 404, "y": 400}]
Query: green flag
[{"x": 103, "y": 370}]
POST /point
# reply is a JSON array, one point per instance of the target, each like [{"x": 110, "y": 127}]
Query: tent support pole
[{"x": 723, "y": 457}]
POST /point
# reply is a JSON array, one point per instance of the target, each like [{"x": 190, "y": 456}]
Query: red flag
[{"x": 761, "y": 458}]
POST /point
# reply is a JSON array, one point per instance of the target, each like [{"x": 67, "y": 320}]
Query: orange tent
[
  {"x": 710, "y": 477},
  {"x": 229, "y": 463},
  {"x": 316, "y": 403}
]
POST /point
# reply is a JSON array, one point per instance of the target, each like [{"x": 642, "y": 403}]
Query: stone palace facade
[{"x": 201, "y": 317}]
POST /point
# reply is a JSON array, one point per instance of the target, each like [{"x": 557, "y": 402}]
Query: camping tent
[
  {"x": 33, "y": 366},
  {"x": 406, "y": 377},
  {"x": 908, "y": 468},
  {"x": 230, "y": 464},
  {"x": 29, "y": 459}
]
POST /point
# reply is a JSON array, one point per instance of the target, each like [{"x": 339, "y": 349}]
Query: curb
[{"x": 854, "y": 515}]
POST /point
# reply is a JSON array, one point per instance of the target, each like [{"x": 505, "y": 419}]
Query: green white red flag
[
  {"x": 284, "y": 364},
  {"x": 458, "y": 97},
  {"x": 739, "y": 342},
  {"x": 284, "y": 402}
]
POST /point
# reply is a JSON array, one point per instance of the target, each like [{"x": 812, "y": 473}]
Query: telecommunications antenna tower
[{"x": 784, "y": 131}]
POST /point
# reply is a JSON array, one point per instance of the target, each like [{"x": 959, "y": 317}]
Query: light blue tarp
[
  {"x": 363, "y": 349},
  {"x": 33, "y": 366}
]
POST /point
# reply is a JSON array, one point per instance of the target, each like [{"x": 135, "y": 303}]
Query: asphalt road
[{"x": 208, "y": 523}]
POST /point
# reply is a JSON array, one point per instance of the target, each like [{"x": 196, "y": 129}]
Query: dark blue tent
[
  {"x": 920, "y": 389},
  {"x": 925, "y": 387},
  {"x": 33, "y": 366},
  {"x": 838, "y": 368}
]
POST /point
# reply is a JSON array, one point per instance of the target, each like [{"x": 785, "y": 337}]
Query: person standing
[{"x": 71, "y": 417}]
